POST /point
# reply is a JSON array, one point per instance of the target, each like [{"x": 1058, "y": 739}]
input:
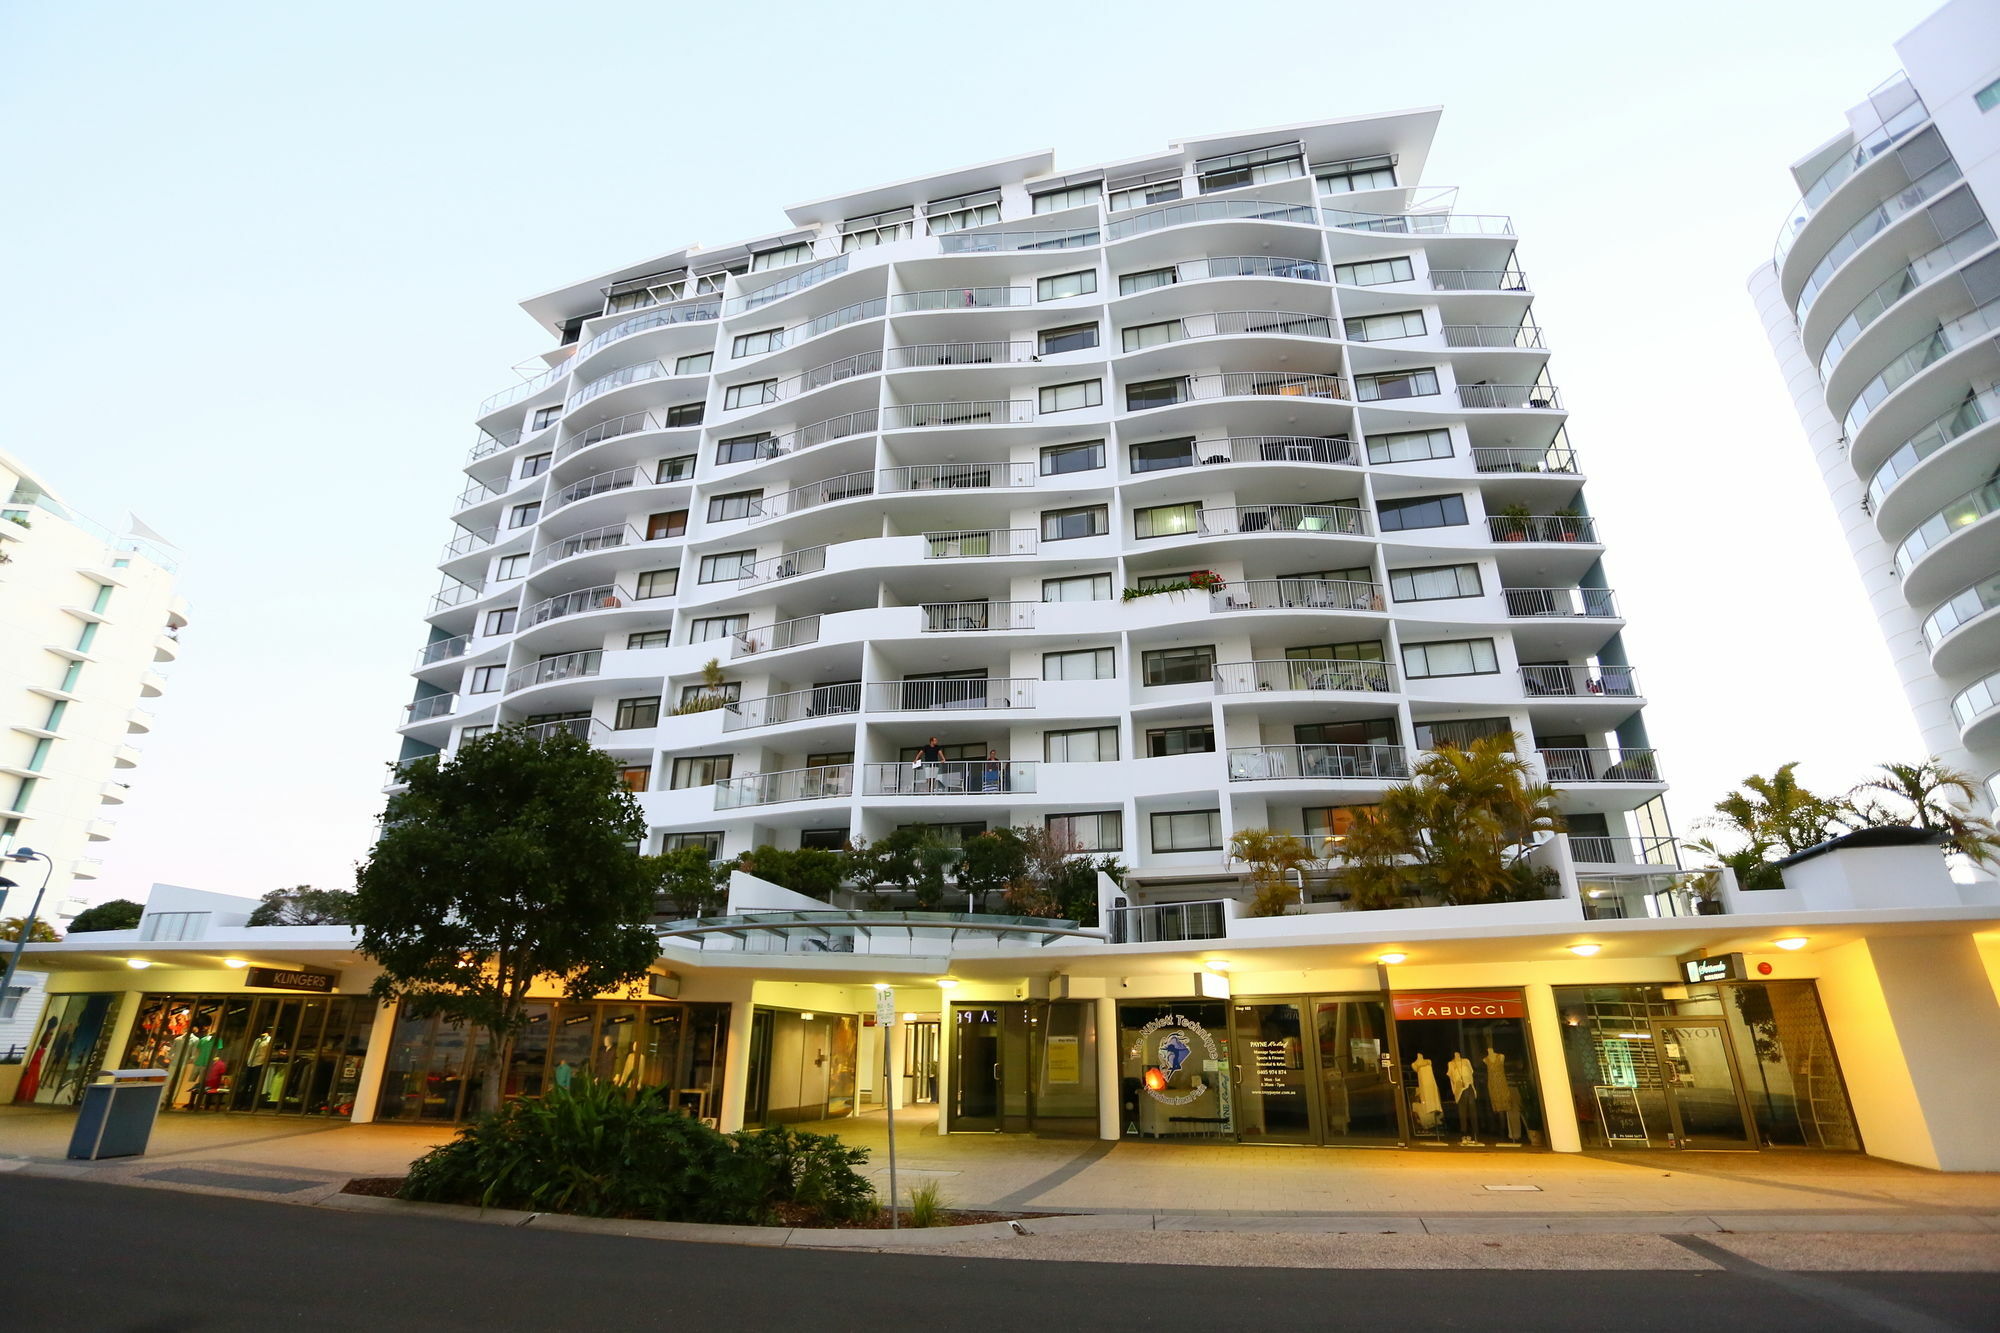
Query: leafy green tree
[
  {"x": 1769, "y": 818},
  {"x": 514, "y": 859},
  {"x": 118, "y": 914},
  {"x": 1929, "y": 789},
  {"x": 1278, "y": 862},
  {"x": 993, "y": 862},
  {"x": 813, "y": 871},
  {"x": 303, "y": 905},
  {"x": 43, "y": 933},
  {"x": 687, "y": 883},
  {"x": 911, "y": 859}
]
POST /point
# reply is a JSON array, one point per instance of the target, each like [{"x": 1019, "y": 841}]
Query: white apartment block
[
  {"x": 89, "y": 615},
  {"x": 916, "y": 465},
  {"x": 1882, "y": 306}
]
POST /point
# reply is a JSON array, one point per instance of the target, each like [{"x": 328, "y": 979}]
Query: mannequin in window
[
  {"x": 1464, "y": 1099},
  {"x": 1501, "y": 1095},
  {"x": 1430, "y": 1110}
]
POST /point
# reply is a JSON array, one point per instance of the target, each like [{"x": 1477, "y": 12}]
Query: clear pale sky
[{"x": 261, "y": 262}]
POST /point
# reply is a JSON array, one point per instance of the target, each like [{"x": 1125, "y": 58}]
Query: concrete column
[
  {"x": 736, "y": 1067},
  {"x": 947, "y": 1022},
  {"x": 121, "y": 1029},
  {"x": 894, "y": 1036},
  {"x": 1107, "y": 1069},
  {"x": 374, "y": 1065},
  {"x": 1551, "y": 1069}
]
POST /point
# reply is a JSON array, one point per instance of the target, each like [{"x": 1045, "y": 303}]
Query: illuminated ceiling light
[
  {"x": 138, "y": 963},
  {"x": 909, "y": 1018},
  {"x": 947, "y": 983},
  {"x": 1792, "y": 942},
  {"x": 1390, "y": 958},
  {"x": 807, "y": 1017},
  {"x": 881, "y": 986},
  {"x": 236, "y": 962},
  {"x": 1585, "y": 950},
  {"x": 1217, "y": 964}
]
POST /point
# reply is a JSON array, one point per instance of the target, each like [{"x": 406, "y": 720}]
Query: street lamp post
[{"x": 27, "y": 922}]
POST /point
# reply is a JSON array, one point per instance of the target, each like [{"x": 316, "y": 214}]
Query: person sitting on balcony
[{"x": 929, "y": 757}]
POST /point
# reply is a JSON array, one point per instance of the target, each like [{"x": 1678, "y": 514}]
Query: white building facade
[
  {"x": 1882, "y": 305},
  {"x": 1174, "y": 497}
]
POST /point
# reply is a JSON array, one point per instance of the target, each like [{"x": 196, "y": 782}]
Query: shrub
[
  {"x": 815, "y": 1171},
  {"x": 927, "y": 1204}
]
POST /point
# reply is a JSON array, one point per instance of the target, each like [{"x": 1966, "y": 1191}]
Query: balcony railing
[
  {"x": 570, "y": 666},
  {"x": 1265, "y": 763},
  {"x": 1542, "y": 528},
  {"x": 604, "y": 597},
  {"x": 820, "y": 432},
  {"x": 954, "y": 477},
  {"x": 1266, "y": 384},
  {"x": 798, "y": 282},
  {"x": 793, "y": 706},
  {"x": 1337, "y": 674},
  {"x": 527, "y": 388},
  {"x": 999, "y": 412},
  {"x": 1334, "y": 450},
  {"x": 784, "y": 634},
  {"x": 1330, "y": 520},
  {"x": 629, "y": 424},
  {"x": 458, "y": 594},
  {"x": 1498, "y": 458},
  {"x": 921, "y": 355},
  {"x": 953, "y": 777},
  {"x": 609, "y": 538},
  {"x": 811, "y": 495},
  {"x": 1158, "y": 923},
  {"x": 1478, "y": 280},
  {"x": 1249, "y": 266},
  {"x": 790, "y": 565},
  {"x": 1493, "y": 335},
  {"x": 833, "y": 372},
  {"x": 1581, "y": 681},
  {"x": 579, "y": 727},
  {"x": 792, "y": 784},
  {"x": 1509, "y": 395},
  {"x": 949, "y": 693},
  {"x": 436, "y": 705},
  {"x": 468, "y": 542},
  {"x": 962, "y": 298},
  {"x": 983, "y": 242},
  {"x": 653, "y": 319},
  {"x": 490, "y": 443},
  {"x": 975, "y": 543},
  {"x": 1226, "y": 322},
  {"x": 1296, "y": 595},
  {"x": 618, "y": 379},
  {"x": 1614, "y": 896},
  {"x": 1587, "y": 603},
  {"x": 1600, "y": 765},
  {"x": 1422, "y": 224},
  {"x": 951, "y": 617},
  {"x": 481, "y": 490},
  {"x": 1209, "y": 210},
  {"x": 603, "y": 483},
  {"x": 443, "y": 650},
  {"x": 1598, "y": 850}
]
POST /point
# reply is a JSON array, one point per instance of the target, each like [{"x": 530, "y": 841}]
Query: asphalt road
[{"x": 80, "y": 1255}]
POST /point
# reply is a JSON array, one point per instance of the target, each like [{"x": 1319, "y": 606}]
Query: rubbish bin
[{"x": 118, "y": 1114}]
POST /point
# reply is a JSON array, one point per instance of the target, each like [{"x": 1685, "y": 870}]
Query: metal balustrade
[
  {"x": 792, "y": 784},
  {"x": 1588, "y": 603},
  {"x": 1208, "y": 210},
  {"x": 987, "y": 242},
  {"x": 783, "y": 634},
  {"x": 1580, "y": 681},
  {"x": 527, "y": 388},
  {"x": 1334, "y": 450},
  {"x": 456, "y": 595},
  {"x": 952, "y": 617},
  {"x": 1509, "y": 395},
  {"x": 951, "y": 693},
  {"x": 798, "y": 282},
  {"x": 793, "y": 706},
  {"x": 819, "y": 377},
  {"x": 443, "y": 650},
  {"x": 1976, "y": 326},
  {"x": 629, "y": 424},
  {"x": 1594, "y": 765},
  {"x": 469, "y": 542},
  {"x": 603, "y": 483},
  {"x": 1600, "y": 850},
  {"x": 1328, "y": 520},
  {"x": 1542, "y": 528},
  {"x": 812, "y": 495},
  {"x": 432, "y": 706},
  {"x": 1493, "y": 335},
  {"x": 653, "y": 319},
  {"x": 831, "y": 320},
  {"x": 607, "y": 538},
  {"x": 1266, "y": 384},
  {"x": 1296, "y": 595},
  {"x": 1478, "y": 280},
  {"x": 482, "y": 490},
  {"x": 1161, "y": 923},
  {"x": 569, "y": 666},
  {"x": 1223, "y": 323},
  {"x": 605, "y": 596},
  {"x": 1318, "y": 674},
  {"x": 1972, "y": 412},
  {"x": 1249, "y": 266},
  {"x": 954, "y": 477},
  {"x": 922, "y": 355},
  {"x": 492, "y": 442},
  {"x": 1422, "y": 224},
  {"x": 579, "y": 727},
  {"x": 999, "y": 412},
  {"x": 1499, "y": 458},
  {"x": 618, "y": 379},
  {"x": 962, "y": 298},
  {"x": 820, "y": 432},
  {"x": 952, "y": 777},
  {"x": 1270, "y": 763},
  {"x": 790, "y": 565},
  {"x": 974, "y": 543}
]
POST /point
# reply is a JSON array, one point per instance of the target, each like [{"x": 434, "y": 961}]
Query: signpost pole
[{"x": 885, "y": 1019}]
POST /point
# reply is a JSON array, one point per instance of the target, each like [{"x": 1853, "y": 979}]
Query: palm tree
[
  {"x": 1779, "y": 812},
  {"x": 1273, "y": 857},
  {"x": 1927, "y": 788}
]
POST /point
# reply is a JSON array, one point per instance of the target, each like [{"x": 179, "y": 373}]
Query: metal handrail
[
  {"x": 954, "y": 477},
  {"x": 629, "y": 424},
  {"x": 655, "y": 319},
  {"x": 1249, "y": 266},
  {"x": 1263, "y": 763},
  {"x": 569, "y": 666},
  {"x": 480, "y": 491},
  {"x": 1975, "y": 411},
  {"x": 1542, "y": 528},
  {"x": 443, "y": 650},
  {"x": 431, "y": 706},
  {"x": 962, "y": 298},
  {"x": 1296, "y": 594},
  {"x": 1500, "y": 458},
  {"x": 1336, "y": 450},
  {"x": 603, "y": 597},
  {"x": 923, "y": 355},
  {"x": 1493, "y": 335},
  {"x": 617, "y": 479},
  {"x": 579, "y": 727},
  {"x": 1316, "y": 674},
  {"x": 1974, "y": 326},
  {"x": 793, "y": 706},
  {"x": 820, "y": 432},
  {"x": 1580, "y": 681},
  {"x": 832, "y": 319},
  {"x": 953, "y": 617},
  {"x": 1422, "y": 224},
  {"x": 1882, "y": 135},
  {"x": 1509, "y": 395},
  {"x": 607, "y": 538},
  {"x": 810, "y": 560},
  {"x": 782, "y": 634},
  {"x": 1223, "y": 323},
  {"x": 1595, "y": 765},
  {"x": 469, "y": 542},
  {"x": 921, "y": 696},
  {"x": 457, "y": 595},
  {"x": 1162, "y": 923},
  {"x": 1337, "y": 520},
  {"x": 1590, "y": 603},
  {"x": 1208, "y": 210},
  {"x": 986, "y": 242},
  {"x": 950, "y": 777},
  {"x": 1266, "y": 383},
  {"x": 490, "y": 443},
  {"x": 798, "y": 282},
  {"x": 811, "y": 495},
  {"x": 994, "y": 412},
  {"x": 833, "y": 372},
  {"x": 971, "y": 543},
  {"x": 1606, "y": 850},
  {"x": 792, "y": 784},
  {"x": 527, "y": 388},
  {"x": 1478, "y": 280},
  {"x": 1936, "y": 181}
]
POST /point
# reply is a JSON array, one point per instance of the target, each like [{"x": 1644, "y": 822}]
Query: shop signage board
[
  {"x": 290, "y": 978},
  {"x": 1618, "y": 1111},
  {"x": 885, "y": 1006},
  {"x": 664, "y": 985},
  {"x": 1458, "y": 1004},
  {"x": 1064, "y": 1060},
  {"x": 1715, "y": 967}
]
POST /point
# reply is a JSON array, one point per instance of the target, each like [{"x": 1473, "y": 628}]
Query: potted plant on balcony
[
  {"x": 609, "y": 601},
  {"x": 1515, "y": 529},
  {"x": 1707, "y": 890},
  {"x": 1570, "y": 530}
]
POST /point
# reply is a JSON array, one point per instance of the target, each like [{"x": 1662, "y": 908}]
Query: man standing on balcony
[{"x": 928, "y": 759}]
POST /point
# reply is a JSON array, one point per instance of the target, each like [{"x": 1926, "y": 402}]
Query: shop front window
[
  {"x": 1468, "y": 1077},
  {"x": 1174, "y": 1070},
  {"x": 67, "y": 1050},
  {"x": 277, "y": 1054}
]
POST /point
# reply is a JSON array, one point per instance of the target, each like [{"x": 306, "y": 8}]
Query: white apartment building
[
  {"x": 1882, "y": 304},
  {"x": 89, "y": 615},
  {"x": 930, "y": 460}
]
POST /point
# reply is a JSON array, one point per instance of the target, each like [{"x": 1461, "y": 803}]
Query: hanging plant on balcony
[{"x": 1202, "y": 580}]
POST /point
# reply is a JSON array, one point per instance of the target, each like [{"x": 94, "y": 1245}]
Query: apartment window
[
  {"x": 1450, "y": 657},
  {"x": 10, "y": 1003},
  {"x": 1187, "y": 831},
  {"x": 1988, "y": 97},
  {"x": 467, "y": 734},
  {"x": 1460, "y": 733},
  {"x": 1435, "y": 583},
  {"x": 700, "y": 770},
  {"x": 1077, "y": 588},
  {"x": 1357, "y": 650},
  {"x": 716, "y": 278},
  {"x": 673, "y": 523},
  {"x": 954, "y": 834},
  {"x": 1167, "y": 520},
  {"x": 824, "y": 839},
  {"x": 635, "y": 713},
  {"x": 710, "y": 842},
  {"x": 1069, "y": 397},
  {"x": 636, "y": 777},
  {"x": 1178, "y": 666},
  {"x": 965, "y": 753},
  {"x": 1084, "y": 745},
  {"x": 744, "y": 448},
  {"x": 1409, "y": 446},
  {"x": 1060, "y": 458},
  {"x": 545, "y": 417},
  {"x": 789, "y": 254},
  {"x": 1076, "y": 196},
  {"x": 1160, "y": 455},
  {"x": 534, "y": 465},
  {"x": 1139, "y": 195},
  {"x": 1375, "y": 272},
  {"x": 1379, "y": 328},
  {"x": 1364, "y": 173},
  {"x": 696, "y": 363},
  {"x": 1147, "y": 279},
  {"x": 1094, "y": 831},
  {"x": 1140, "y": 336},
  {"x": 1081, "y": 283},
  {"x": 687, "y": 414},
  {"x": 1256, "y": 166},
  {"x": 878, "y": 229},
  {"x": 948, "y": 215},
  {"x": 829, "y": 758},
  {"x": 1432, "y": 511},
  {"x": 1372, "y": 731},
  {"x": 1069, "y": 338},
  {"x": 756, "y": 344},
  {"x": 1078, "y": 664},
  {"x": 675, "y": 469},
  {"x": 1063, "y": 524},
  {"x": 1154, "y": 582},
  {"x": 726, "y": 566},
  {"x": 729, "y": 692},
  {"x": 657, "y": 583},
  {"x": 1163, "y": 742},
  {"x": 1397, "y": 384},
  {"x": 1155, "y": 393},
  {"x": 651, "y": 638},
  {"x": 717, "y": 627},
  {"x": 734, "y": 505},
  {"x": 486, "y": 679},
  {"x": 522, "y": 516},
  {"x": 754, "y": 394},
  {"x": 501, "y": 621}
]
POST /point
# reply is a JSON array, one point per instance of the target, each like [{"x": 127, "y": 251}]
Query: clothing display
[
  {"x": 1465, "y": 1102},
  {"x": 1502, "y": 1096},
  {"x": 1429, "y": 1108}
]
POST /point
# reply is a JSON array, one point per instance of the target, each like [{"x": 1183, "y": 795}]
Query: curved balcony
[
  {"x": 490, "y": 443},
  {"x": 1421, "y": 224},
  {"x": 1296, "y": 595},
  {"x": 798, "y": 282},
  {"x": 998, "y": 412},
  {"x": 793, "y": 633},
  {"x": 1976, "y": 411},
  {"x": 741, "y": 397},
  {"x": 430, "y": 708},
  {"x": 1208, "y": 210},
  {"x": 952, "y": 777},
  {"x": 951, "y": 695},
  {"x": 850, "y": 486},
  {"x": 458, "y": 594},
  {"x": 994, "y": 242},
  {"x": 963, "y": 617},
  {"x": 1240, "y": 266},
  {"x": 1350, "y": 763},
  {"x": 1919, "y": 271},
  {"x": 924, "y": 356},
  {"x": 962, "y": 298},
  {"x": 1973, "y": 326},
  {"x": 980, "y": 543},
  {"x": 792, "y": 784},
  {"x": 1225, "y": 323},
  {"x": 1326, "y": 450},
  {"x": 582, "y": 728},
  {"x": 777, "y": 568},
  {"x": 569, "y": 666},
  {"x": 1244, "y": 384},
  {"x": 618, "y": 379},
  {"x": 603, "y": 483},
  {"x": 1954, "y": 520},
  {"x": 1561, "y": 603},
  {"x": 527, "y": 388},
  {"x": 1974, "y": 708},
  {"x": 954, "y": 477},
  {"x": 1960, "y": 633},
  {"x": 659, "y": 318},
  {"x": 818, "y": 433},
  {"x": 468, "y": 543},
  {"x": 1537, "y": 396},
  {"x": 873, "y": 308},
  {"x": 1579, "y": 682},
  {"x": 608, "y": 596},
  {"x": 821, "y": 701},
  {"x": 1478, "y": 280},
  {"x": 1324, "y": 520},
  {"x": 1570, "y": 766},
  {"x": 1890, "y": 130},
  {"x": 632, "y": 423},
  {"x": 1525, "y": 337},
  {"x": 613, "y": 537},
  {"x": 1876, "y": 221},
  {"x": 443, "y": 650},
  {"x": 1558, "y": 459},
  {"x": 1542, "y": 528},
  {"x": 1318, "y": 675}
]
